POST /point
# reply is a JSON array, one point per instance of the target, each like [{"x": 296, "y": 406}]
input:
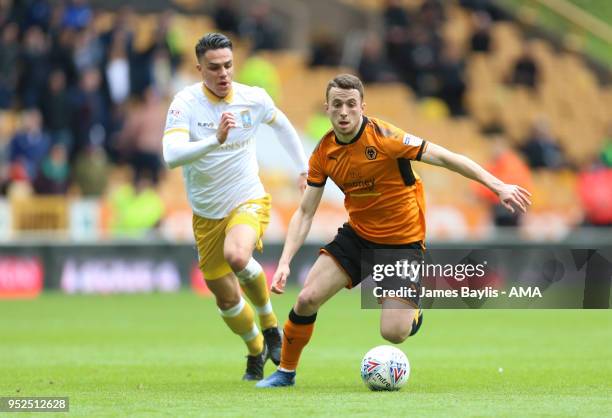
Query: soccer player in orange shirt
[{"x": 369, "y": 160}]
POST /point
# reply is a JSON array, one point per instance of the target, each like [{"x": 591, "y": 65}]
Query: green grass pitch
[{"x": 171, "y": 355}]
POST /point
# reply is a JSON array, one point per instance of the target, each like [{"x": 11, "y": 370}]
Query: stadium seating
[{"x": 568, "y": 95}]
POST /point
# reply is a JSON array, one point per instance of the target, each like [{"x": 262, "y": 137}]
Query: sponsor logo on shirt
[
  {"x": 412, "y": 140},
  {"x": 236, "y": 145}
]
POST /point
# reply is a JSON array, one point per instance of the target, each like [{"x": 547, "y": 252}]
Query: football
[{"x": 385, "y": 368}]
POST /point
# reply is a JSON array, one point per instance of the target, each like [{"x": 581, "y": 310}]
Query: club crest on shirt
[
  {"x": 371, "y": 153},
  {"x": 173, "y": 116},
  {"x": 245, "y": 116}
]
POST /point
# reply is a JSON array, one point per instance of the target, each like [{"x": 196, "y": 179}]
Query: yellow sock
[
  {"x": 240, "y": 319},
  {"x": 254, "y": 285}
]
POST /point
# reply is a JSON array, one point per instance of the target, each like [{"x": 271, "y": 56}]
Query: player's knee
[
  {"x": 237, "y": 257},
  {"x": 228, "y": 302},
  {"x": 394, "y": 334},
  {"x": 307, "y": 302}
]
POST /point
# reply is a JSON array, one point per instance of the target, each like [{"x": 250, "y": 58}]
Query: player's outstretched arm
[
  {"x": 299, "y": 227},
  {"x": 290, "y": 141},
  {"x": 511, "y": 196},
  {"x": 179, "y": 150}
]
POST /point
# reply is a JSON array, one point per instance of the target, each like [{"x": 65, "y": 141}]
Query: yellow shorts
[{"x": 210, "y": 234}]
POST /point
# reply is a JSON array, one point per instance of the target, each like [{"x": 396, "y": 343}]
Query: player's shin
[
  {"x": 296, "y": 334},
  {"x": 240, "y": 319},
  {"x": 254, "y": 285}
]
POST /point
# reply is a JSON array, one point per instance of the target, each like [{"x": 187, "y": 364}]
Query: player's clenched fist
[
  {"x": 280, "y": 278},
  {"x": 228, "y": 121}
]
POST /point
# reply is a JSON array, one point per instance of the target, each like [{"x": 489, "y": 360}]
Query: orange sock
[{"x": 296, "y": 334}]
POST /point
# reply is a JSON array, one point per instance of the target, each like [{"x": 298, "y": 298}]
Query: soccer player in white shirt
[{"x": 210, "y": 132}]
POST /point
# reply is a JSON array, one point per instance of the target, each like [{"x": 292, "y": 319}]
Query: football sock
[
  {"x": 253, "y": 283},
  {"x": 240, "y": 319},
  {"x": 416, "y": 322},
  {"x": 296, "y": 334}
]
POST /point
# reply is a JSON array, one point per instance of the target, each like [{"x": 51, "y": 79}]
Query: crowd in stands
[
  {"x": 259, "y": 25},
  {"x": 412, "y": 48},
  {"x": 86, "y": 98}
]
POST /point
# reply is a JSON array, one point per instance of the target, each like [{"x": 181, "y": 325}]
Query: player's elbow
[
  {"x": 170, "y": 159},
  {"x": 170, "y": 163}
]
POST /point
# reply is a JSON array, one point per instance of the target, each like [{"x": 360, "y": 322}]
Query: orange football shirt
[{"x": 382, "y": 194}]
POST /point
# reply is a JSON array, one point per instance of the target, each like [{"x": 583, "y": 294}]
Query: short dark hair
[
  {"x": 345, "y": 82},
  {"x": 212, "y": 41}
]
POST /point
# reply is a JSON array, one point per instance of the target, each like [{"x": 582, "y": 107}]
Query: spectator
[
  {"x": 396, "y": 18},
  {"x": 9, "y": 55},
  {"x": 257, "y": 71},
  {"x": 324, "y": 51},
  {"x": 38, "y": 14},
  {"x": 595, "y": 191},
  {"x": 88, "y": 50},
  {"x": 525, "y": 71},
  {"x": 4, "y": 180},
  {"x": 4, "y": 166},
  {"x": 542, "y": 150},
  {"x": 56, "y": 18},
  {"x": 53, "y": 175},
  {"x": 431, "y": 14},
  {"x": 77, "y": 14},
  {"x": 423, "y": 56},
  {"x": 168, "y": 38},
  {"x": 481, "y": 38},
  {"x": 397, "y": 44},
  {"x": 34, "y": 66},
  {"x": 160, "y": 61},
  {"x": 509, "y": 168},
  {"x": 451, "y": 78},
  {"x": 91, "y": 170},
  {"x": 56, "y": 108},
  {"x": 29, "y": 145},
  {"x": 136, "y": 210},
  {"x": 317, "y": 125},
  {"x": 117, "y": 69},
  {"x": 90, "y": 111},
  {"x": 123, "y": 28},
  {"x": 62, "y": 53},
  {"x": 226, "y": 16},
  {"x": 141, "y": 135},
  {"x": 260, "y": 28},
  {"x": 373, "y": 66},
  {"x": 5, "y": 13}
]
